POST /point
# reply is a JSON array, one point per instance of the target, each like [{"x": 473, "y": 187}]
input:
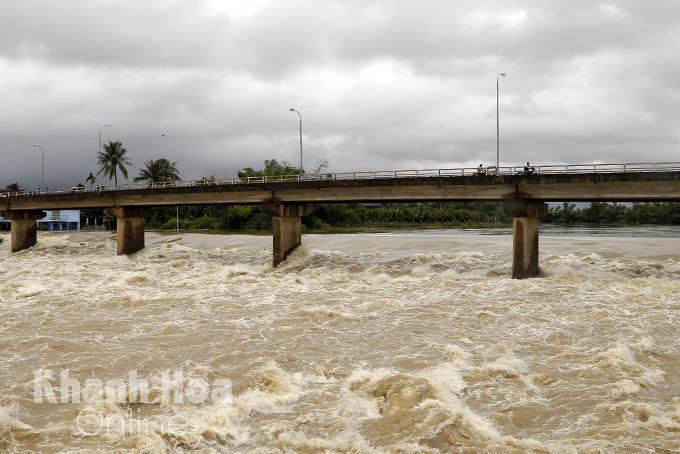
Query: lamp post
[
  {"x": 42, "y": 177},
  {"x": 293, "y": 110},
  {"x": 100, "y": 136},
  {"x": 498, "y": 148}
]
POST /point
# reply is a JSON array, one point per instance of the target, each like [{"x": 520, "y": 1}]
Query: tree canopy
[
  {"x": 113, "y": 159},
  {"x": 667, "y": 213},
  {"x": 158, "y": 170},
  {"x": 271, "y": 167}
]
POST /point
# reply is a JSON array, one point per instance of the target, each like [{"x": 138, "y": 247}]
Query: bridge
[{"x": 289, "y": 197}]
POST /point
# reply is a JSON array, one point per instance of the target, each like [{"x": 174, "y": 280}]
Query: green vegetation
[
  {"x": 113, "y": 159},
  {"x": 158, "y": 170},
  {"x": 326, "y": 216},
  {"x": 13, "y": 186},
  {"x": 395, "y": 215},
  {"x": 271, "y": 167},
  {"x": 665, "y": 213},
  {"x": 239, "y": 217}
]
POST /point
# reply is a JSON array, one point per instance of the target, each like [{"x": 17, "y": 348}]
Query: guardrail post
[
  {"x": 566, "y": 170},
  {"x": 624, "y": 168},
  {"x": 655, "y": 166}
]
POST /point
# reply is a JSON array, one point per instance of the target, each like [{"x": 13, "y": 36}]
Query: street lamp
[
  {"x": 293, "y": 110},
  {"x": 42, "y": 178},
  {"x": 498, "y": 148},
  {"x": 100, "y": 136}
]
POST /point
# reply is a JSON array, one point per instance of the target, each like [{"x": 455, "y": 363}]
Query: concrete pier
[
  {"x": 525, "y": 235},
  {"x": 287, "y": 220},
  {"x": 24, "y": 228},
  {"x": 130, "y": 231}
]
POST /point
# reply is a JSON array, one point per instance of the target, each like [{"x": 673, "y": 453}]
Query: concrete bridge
[{"x": 288, "y": 198}]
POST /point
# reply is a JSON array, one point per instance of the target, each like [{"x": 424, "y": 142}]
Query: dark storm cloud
[{"x": 380, "y": 84}]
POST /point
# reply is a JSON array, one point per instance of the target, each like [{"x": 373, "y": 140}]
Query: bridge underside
[
  {"x": 615, "y": 187},
  {"x": 523, "y": 198}
]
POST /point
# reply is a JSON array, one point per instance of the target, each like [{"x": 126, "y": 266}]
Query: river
[{"x": 404, "y": 341}]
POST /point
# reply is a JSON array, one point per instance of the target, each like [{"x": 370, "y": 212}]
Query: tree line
[
  {"x": 339, "y": 215},
  {"x": 395, "y": 215},
  {"x": 664, "y": 213}
]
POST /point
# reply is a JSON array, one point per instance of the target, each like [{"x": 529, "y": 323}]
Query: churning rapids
[{"x": 367, "y": 343}]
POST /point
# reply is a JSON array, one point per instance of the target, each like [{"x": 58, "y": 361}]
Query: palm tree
[
  {"x": 91, "y": 179},
  {"x": 112, "y": 159},
  {"x": 13, "y": 186},
  {"x": 158, "y": 170}
]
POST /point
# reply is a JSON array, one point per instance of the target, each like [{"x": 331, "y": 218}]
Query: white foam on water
[{"x": 380, "y": 351}]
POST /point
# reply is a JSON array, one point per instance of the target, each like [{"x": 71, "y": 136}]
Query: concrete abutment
[
  {"x": 525, "y": 235},
  {"x": 287, "y": 223},
  {"x": 130, "y": 231}
]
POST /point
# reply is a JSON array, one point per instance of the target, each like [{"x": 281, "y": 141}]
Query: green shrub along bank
[
  {"x": 249, "y": 217},
  {"x": 395, "y": 215},
  {"x": 662, "y": 213}
]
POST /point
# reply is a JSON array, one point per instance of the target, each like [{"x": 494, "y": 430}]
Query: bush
[
  {"x": 205, "y": 223},
  {"x": 170, "y": 225}
]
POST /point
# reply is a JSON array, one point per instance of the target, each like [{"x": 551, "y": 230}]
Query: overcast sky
[{"x": 380, "y": 85}]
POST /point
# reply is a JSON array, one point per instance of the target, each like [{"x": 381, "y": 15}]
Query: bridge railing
[
  {"x": 364, "y": 175},
  {"x": 606, "y": 168}
]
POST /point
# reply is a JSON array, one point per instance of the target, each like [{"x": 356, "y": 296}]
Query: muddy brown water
[{"x": 367, "y": 343}]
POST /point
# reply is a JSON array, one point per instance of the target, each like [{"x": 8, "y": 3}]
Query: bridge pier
[
  {"x": 287, "y": 221},
  {"x": 525, "y": 235},
  {"x": 130, "y": 229},
  {"x": 24, "y": 230}
]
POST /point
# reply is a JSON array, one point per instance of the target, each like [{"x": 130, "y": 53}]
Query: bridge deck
[{"x": 639, "y": 186}]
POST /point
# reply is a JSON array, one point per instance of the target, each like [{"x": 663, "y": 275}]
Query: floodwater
[{"x": 392, "y": 342}]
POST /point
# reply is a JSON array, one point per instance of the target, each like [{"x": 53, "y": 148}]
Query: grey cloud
[{"x": 380, "y": 84}]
